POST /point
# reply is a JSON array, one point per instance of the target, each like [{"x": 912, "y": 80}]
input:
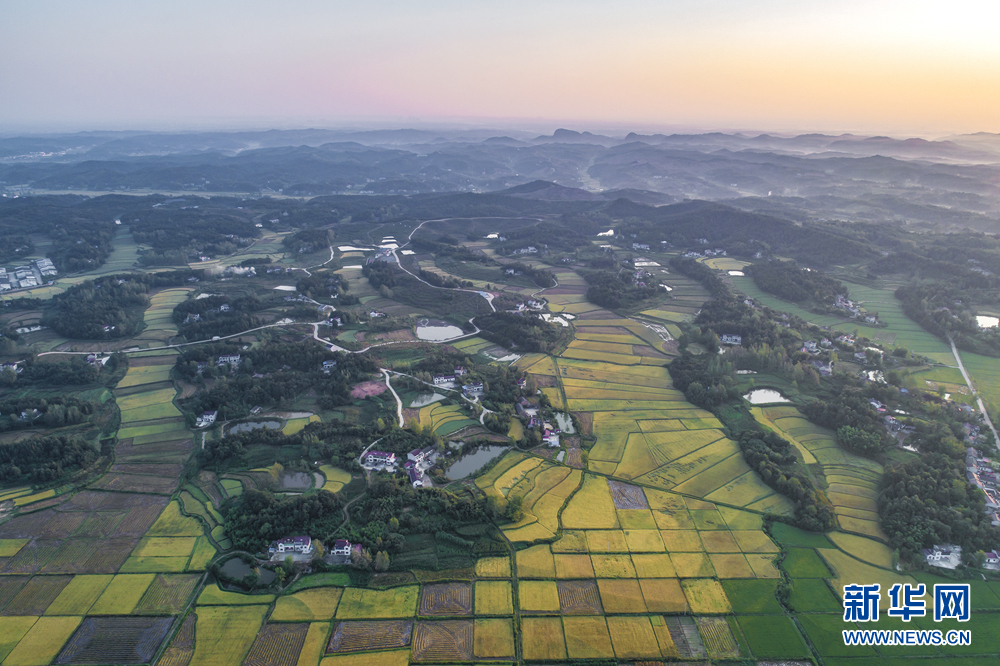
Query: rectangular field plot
[
  {"x": 633, "y": 638},
  {"x": 606, "y": 541},
  {"x": 569, "y": 565},
  {"x": 36, "y": 595},
  {"x": 119, "y": 640},
  {"x": 277, "y": 645},
  {"x": 12, "y": 630},
  {"x": 621, "y": 596},
  {"x": 538, "y": 596},
  {"x": 494, "y": 638},
  {"x": 542, "y": 638},
  {"x": 587, "y": 638},
  {"x": 122, "y": 594},
  {"x": 774, "y": 637},
  {"x": 653, "y": 565},
  {"x": 493, "y": 597},
  {"x": 612, "y": 565},
  {"x": 718, "y": 638},
  {"x": 663, "y": 595},
  {"x": 579, "y": 597},
  {"x": 493, "y": 567},
  {"x": 42, "y": 641},
  {"x": 310, "y": 605},
  {"x": 167, "y": 594},
  {"x": 224, "y": 634},
  {"x": 706, "y": 596},
  {"x": 77, "y": 597},
  {"x": 535, "y": 562},
  {"x": 446, "y": 599},
  {"x": 444, "y": 640},
  {"x": 591, "y": 507},
  {"x": 359, "y": 604}
]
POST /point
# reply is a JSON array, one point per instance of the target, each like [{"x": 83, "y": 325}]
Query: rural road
[{"x": 968, "y": 380}]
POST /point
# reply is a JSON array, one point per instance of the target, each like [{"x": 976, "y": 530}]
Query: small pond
[
  {"x": 470, "y": 463},
  {"x": 425, "y": 399},
  {"x": 295, "y": 481},
  {"x": 438, "y": 333},
  {"x": 765, "y": 396},
  {"x": 254, "y": 425},
  {"x": 565, "y": 422},
  {"x": 237, "y": 568},
  {"x": 987, "y": 322}
]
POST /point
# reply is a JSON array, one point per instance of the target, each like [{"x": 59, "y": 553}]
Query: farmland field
[
  {"x": 42, "y": 641},
  {"x": 318, "y": 603},
  {"x": 225, "y": 634},
  {"x": 398, "y": 602},
  {"x": 446, "y": 599},
  {"x": 445, "y": 640},
  {"x": 587, "y": 638},
  {"x": 493, "y": 638},
  {"x": 543, "y": 638},
  {"x": 277, "y": 645},
  {"x": 125, "y": 640},
  {"x": 370, "y": 635},
  {"x": 493, "y": 598}
]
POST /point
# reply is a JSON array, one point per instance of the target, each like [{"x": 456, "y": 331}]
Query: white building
[
  {"x": 728, "y": 339},
  {"x": 296, "y": 544}
]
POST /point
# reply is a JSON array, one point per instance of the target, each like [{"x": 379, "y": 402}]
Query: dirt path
[{"x": 399, "y": 403}]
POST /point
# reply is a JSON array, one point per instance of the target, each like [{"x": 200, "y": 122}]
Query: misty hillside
[{"x": 953, "y": 182}]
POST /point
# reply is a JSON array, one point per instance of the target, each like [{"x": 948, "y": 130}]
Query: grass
[
  {"x": 378, "y": 604},
  {"x": 307, "y": 606},
  {"x": 42, "y": 641},
  {"x": 805, "y": 563},
  {"x": 122, "y": 594},
  {"x": 813, "y": 595},
  {"x": 225, "y": 634},
  {"x": 330, "y": 579},
  {"x": 773, "y": 637},
  {"x": 752, "y": 596},
  {"x": 493, "y": 598},
  {"x": 538, "y": 596},
  {"x": 494, "y": 638}
]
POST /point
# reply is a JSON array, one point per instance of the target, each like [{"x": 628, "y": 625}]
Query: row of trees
[{"x": 786, "y": 280}]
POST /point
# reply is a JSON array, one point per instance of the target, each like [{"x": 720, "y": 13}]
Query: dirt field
[{"x": 365, "y": 389}]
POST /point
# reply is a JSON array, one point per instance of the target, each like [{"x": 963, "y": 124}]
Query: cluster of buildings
[
  {"x": 730, "y": 339},
  {"x": 841, "y": 302},
  {"x": 531, "y": 249},
  {"x": 206, "y": 419},
  {"x": 693, "y": 254},
  {"x": 25, "y": 277}
]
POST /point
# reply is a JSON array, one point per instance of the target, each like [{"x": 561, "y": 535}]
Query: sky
[{"x": 910, "y": 67}]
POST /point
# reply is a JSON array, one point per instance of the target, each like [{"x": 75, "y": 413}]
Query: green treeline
[
  {"x": 525, "y": 331},
  {"x": 786, "y": 280},
  {"x": 42, "y": 459}
]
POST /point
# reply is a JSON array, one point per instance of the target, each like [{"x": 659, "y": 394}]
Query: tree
[
  {"x": 361, "y": 559},
  {"x": 318, "y": 545},
  {"x": 382, "y": 561}
]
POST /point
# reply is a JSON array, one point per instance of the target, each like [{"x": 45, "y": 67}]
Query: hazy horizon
[{"x": 887, "y": 67}]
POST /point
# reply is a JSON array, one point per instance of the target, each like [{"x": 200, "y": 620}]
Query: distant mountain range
[{"x": 953, "y": 182}]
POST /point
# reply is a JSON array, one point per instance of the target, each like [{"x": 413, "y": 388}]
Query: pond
[
  {"x": 425, "y": 399},
  {"x": 438, "y": 333},
  {"x": 295, "y": 481},
  {"x": 237, "y": 568},
  {"x": 765, "y": 396},
  {"x": 471, "y": 463},
  {"x": 985, "y": 321},
  {"x": 565, "y": 422},
  {"x": 254, "y": 425}
]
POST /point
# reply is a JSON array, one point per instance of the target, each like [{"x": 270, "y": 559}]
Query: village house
[
  {"x": 342, "y": 547},
  {"x": 640, "y": 246},
  {"x": 459, "y": 371},
  {"x": 729, "y": 339},
  {"x": 440, "y": 380},
  {"x": 474, "y": 387},
  {"x": 375, "y": 314},
  {"x": 296, "y": 544},
  {"x": 810, "y": 346},
  {"x": 206, "y": 419},
  {"x": 420, "y": 456},
  {"x": 373, "y": 458},
  {"x": 233, "y": 359},
  {"x": 414, "y": 475},
  {"x": 992, "y": 558},
  {"x": 947, "y": 556},
  {"x": 328, "y": 366}
]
